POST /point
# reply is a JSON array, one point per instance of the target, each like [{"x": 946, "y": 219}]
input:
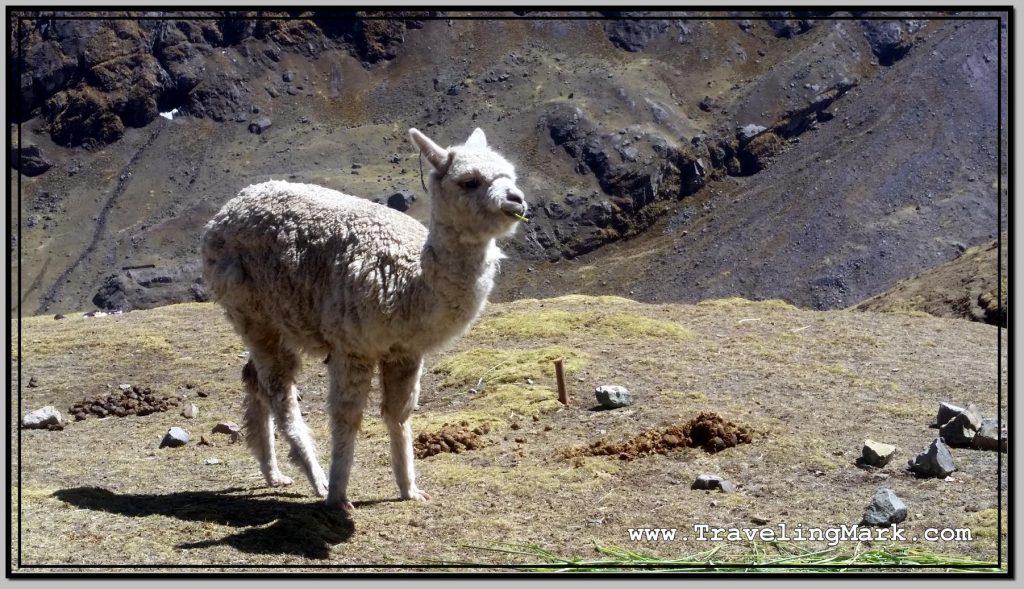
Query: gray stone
[
  {"x": 259, "y": 125},
  {"x": 934, "y": 461},
  {"x": 748, "y": 132},
  {"x": 960, "y": 430},
  {"x": 401, "y": 200},
  {"x": 42, "y": 418},
  {"x": 708, "y": 482},
  {"x": 947, "y": 411},
  {"x": 288, "y": 75},
  {"x": 876, "y": 453},
  {"x": 212, "y": 460},
  {"x": 228, "y": 427},
  {"x": 989, "y": 436},
  {"x": 29, "y": 160},
  {"x": 613, "y": 396},
  {"x": 33, "y": 382},
  {"x": 885, "y": 509},
  {"x": 175, "y": 437},
  {"x": 190, "y": 411}
]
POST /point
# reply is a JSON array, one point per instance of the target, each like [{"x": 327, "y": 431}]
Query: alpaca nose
[{"x": 516, "y": 197}]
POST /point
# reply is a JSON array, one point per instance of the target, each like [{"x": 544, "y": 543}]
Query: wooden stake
[{"x": 563, "y": 395}]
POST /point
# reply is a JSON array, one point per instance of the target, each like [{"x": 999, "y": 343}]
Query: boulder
[
  {"x": 401, "y": 200},
  {"x": 960, "y": 430},
  {"x": 175, "y": 438},
  {"x": 708, "y": 482},
  {"x": 42, "y": 418},
  {"x": 947, "y": 411},
  {"x": 613, "y": 396},
  {"x": 990, "y": 437},
  {"x": 876, "y": 453},
  {"x": 29, "y": 160},
  {"x": 259, "y": 125},
  {"x": 935, "y": 461},
  {"x": 885, "y": 509}
]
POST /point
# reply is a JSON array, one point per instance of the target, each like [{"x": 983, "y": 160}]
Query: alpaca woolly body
[
  {"x": 302, "y": 268},
  {"x": 337, "y": 271}
]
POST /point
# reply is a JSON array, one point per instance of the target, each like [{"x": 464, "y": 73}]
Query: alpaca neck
[{"x": 459, "y": 271}]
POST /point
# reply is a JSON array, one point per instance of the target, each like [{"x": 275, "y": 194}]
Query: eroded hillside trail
[{"x": 53, "y": 293}]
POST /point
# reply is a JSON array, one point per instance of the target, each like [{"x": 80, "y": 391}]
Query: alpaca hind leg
[
  {"x": 400, "y": 384},
  {"x": 277, "y": 376},
  {"x": 259, "y": 427},
  {"x": 350, "y": 385}
]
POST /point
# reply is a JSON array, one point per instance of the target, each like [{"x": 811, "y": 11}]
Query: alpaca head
[{"x": 472, "y": 188}]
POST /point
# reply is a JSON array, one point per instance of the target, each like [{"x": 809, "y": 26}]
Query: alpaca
[{"x": 302, "y": 268}]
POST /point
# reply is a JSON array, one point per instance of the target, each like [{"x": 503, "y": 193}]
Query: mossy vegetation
[{"x": 742, "y": 302}]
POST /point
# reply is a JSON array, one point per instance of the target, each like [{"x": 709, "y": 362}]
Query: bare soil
[
  {"x": 812, "y": 386},
  {"x": 708, "y": 431}
]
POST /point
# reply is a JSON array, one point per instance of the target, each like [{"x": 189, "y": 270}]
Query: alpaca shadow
[{"x": 302, "y": 529}]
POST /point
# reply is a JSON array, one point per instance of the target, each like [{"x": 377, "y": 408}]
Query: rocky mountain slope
[
  {"x": 817, "y": 158},
  {"x": 966, "y": 288}
]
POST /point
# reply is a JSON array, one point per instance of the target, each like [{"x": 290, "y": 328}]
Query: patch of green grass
[
  {"x": 780, "y": 557},
  {"x": 554, "y": 323},
  {"x": 487, "y": 366},
  {"x": 576, "y": 299},
  {"x": 983, "y": 524}
]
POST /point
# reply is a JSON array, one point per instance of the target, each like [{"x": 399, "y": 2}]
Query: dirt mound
[
  {"x": 134, "y": 400},
  {"x": 708, "y": 431},
  {"x": 450, "y": 438}
]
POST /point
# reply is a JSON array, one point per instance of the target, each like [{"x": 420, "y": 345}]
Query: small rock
[
  {"x": 876, "y": 453},
  {"x": 947, "y": 411},
  {"x": 934, "y": 461},
  {"x": 989, "y": 437},
  {"x": 401, "y": 200},
  {"x": 42, "y": 418},
  {"x": 885, "y": 509},
  {"x": 613, "y": 396},
  {"x": 29, "y": 160},
  {"x": 710, "y": 481},
  {"x": 33, "y": 382},
  {"x": 124, "y": 387},
  {"x": 190, "y": 411},
  {"x": 756, "y": 519},
  {"x": 259, "y": 125},
  {"x": 960, "y": 430},
  {"x": 288, "y": 75},
  {"x": 175, "y": 437},
  {"x": 202, "y": 393},
  {"x": 59, "y": 316},
  {"x": 212, "y": 460},
  {"x": 228, "y": 427},
  {"x": 748, "y": 132},
  {"x": 204, "y": 442}
]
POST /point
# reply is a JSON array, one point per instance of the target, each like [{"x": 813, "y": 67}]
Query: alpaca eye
[{"x": 472, "y": 184}]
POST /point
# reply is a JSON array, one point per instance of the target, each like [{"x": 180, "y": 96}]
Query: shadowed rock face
[{"x": 792, "y": 156}]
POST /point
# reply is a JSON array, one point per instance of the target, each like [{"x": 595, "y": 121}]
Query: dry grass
[{"x": 812, "y": 385}]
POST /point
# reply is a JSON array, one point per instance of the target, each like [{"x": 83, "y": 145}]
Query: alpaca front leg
[
  {"x": 400, "y": 384},
  {"x": 350, "y": 385}
]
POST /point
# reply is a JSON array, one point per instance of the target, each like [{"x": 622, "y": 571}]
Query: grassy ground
[{"x": 812, "y": 385}]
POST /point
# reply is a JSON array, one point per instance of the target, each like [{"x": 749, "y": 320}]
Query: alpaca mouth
[{"x": 513, "y": 209}]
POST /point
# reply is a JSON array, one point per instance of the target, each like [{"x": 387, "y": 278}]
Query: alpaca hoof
[
  {"x": 344, "y": 505},
  {"x": 320, "y": 488},
  {"x": 417, "y": 495},
  {"x": 279, "y": 480}
]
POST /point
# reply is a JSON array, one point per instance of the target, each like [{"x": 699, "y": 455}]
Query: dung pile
[
  {"x": 451, "y": 438},
  {"x": 131, "y": 400},
  {"x": 708, "y": 431}
]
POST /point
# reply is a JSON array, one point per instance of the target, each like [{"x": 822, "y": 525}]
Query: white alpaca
[{"x": 300, "y": 267}]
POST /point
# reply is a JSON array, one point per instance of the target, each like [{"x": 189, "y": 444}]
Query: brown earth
[
  {"x": 708, "y": 431},
  {"x": 450, "y": 438},
  {"x": 812, "y": 385}
]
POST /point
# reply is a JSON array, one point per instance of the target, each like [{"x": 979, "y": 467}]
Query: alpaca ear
[
  {"x": 477, "y": 139},
  {"x": 435, "y": 154}
]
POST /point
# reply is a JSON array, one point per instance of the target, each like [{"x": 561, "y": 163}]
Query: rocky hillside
[
  {"x": 817, "y": 158},
  {"x": 966, "y": 288}
]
